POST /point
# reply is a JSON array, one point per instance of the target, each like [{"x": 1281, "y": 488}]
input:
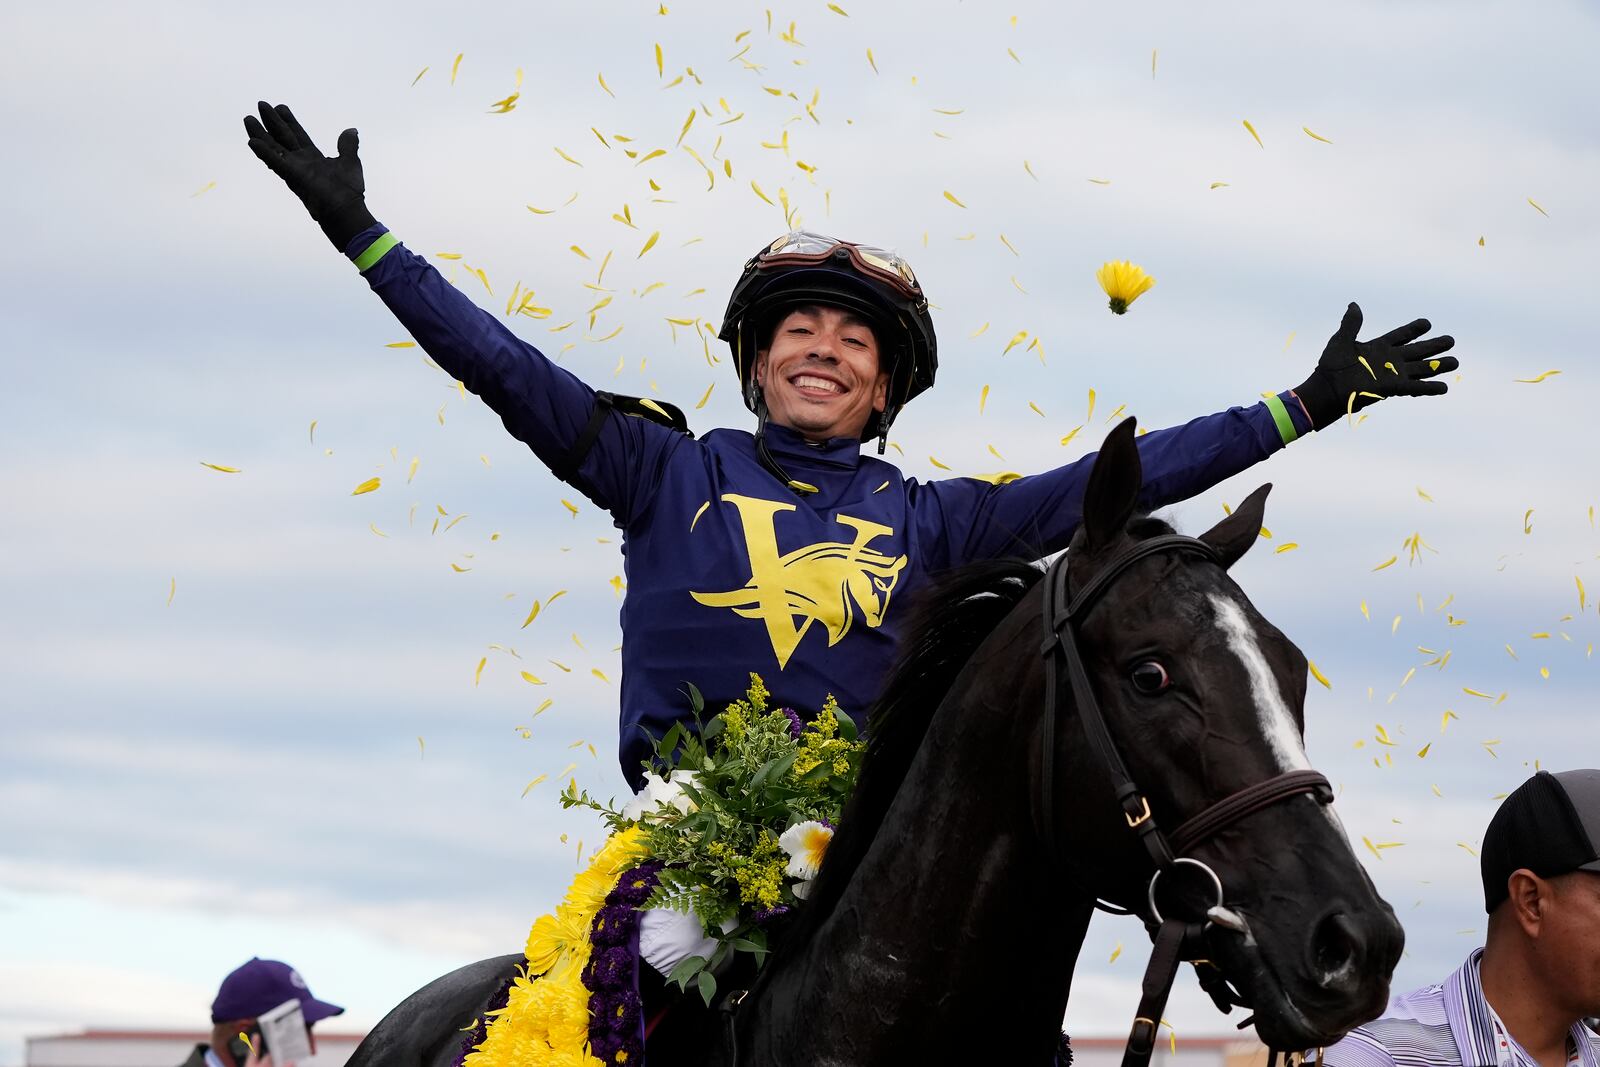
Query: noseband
[{"x": 1174, "y": 937}]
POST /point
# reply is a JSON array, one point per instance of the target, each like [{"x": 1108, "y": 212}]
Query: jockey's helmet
[{"x": 807, "y": 268}]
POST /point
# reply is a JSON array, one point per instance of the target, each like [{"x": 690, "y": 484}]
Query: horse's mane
[{"x": 949, "y": 619}]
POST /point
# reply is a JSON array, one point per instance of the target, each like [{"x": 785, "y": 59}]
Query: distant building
[{"x": 154, "y": 1048}]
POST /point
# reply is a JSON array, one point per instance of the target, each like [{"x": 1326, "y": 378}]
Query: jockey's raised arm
[{"x": 788, "y": 552}]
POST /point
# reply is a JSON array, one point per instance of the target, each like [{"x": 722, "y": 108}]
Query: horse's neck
[{"x": 953, "y": 926}]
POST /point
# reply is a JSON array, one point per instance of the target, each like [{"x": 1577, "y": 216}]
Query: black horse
[{"x": 943, "y": 927}]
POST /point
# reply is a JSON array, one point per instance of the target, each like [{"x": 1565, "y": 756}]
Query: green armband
[
  {"x": 379, "y": 248},
  {"x": 1280, "y": 418}
]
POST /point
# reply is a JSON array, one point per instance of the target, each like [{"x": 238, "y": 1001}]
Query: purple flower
[
  {"x": 766, "y": 915},
  {"x": 795, "y": 724},
  {"x": 623, "y": 1013},
  {"x": 613, "y": 925},
  {"x": 610, "y": 968}
]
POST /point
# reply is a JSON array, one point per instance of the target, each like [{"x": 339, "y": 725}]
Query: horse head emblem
[{"x": 827, "y": 582}]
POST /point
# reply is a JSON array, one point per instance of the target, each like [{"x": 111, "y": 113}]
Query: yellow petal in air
[
  {"x": 936, "y": 463},
  {"x": 220, "y": 467},
  {"x": 1318, "y": 675},
  {"x": 1538, "y": 378},
  {"x": 367, "y": 486},
  {"x": 534, "y": 614},
  {"x": 1537, "y": 208},
  {"x": 531, "y": 679},
  {"x": 570, "y": 506},
  {"x": 1387, "y": 563},
  {"x": 649, "y": 243},
  {"x": 1314, "y": 136},
  {"x": 983, "y": 399},
  {"x": 456, "y": 66},
  {"x": 1253, "y": 132},
  {"x": 948, "y": 195}
]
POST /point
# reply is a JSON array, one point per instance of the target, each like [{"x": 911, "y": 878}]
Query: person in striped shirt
[{"x": 1525, "y": 997}]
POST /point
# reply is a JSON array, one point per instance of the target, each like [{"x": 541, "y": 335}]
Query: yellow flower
[{"x": 1123, "y": 282}]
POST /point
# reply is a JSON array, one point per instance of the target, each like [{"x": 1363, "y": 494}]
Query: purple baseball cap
[{"x": 261, "y": 985}]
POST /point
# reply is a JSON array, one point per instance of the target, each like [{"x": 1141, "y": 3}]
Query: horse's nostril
[{"x": 1335, "y": 950}]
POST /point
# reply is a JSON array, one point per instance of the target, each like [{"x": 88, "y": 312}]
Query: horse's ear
[
  {"x": 1233, "y": 536},
  {"x": 1114, "y": 485}
]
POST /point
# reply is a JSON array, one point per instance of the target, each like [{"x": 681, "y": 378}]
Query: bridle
[{"x": 1175, "y": 938}]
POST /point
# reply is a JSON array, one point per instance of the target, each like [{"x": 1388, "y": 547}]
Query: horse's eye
[{"x": 1150, "y": 677}]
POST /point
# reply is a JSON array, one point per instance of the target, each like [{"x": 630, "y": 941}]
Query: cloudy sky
[{"x": 242, "y": 712}]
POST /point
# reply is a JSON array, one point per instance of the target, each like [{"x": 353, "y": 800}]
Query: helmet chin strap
[{"x": 764, "y": 454}]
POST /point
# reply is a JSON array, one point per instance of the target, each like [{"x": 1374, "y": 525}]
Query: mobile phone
[{"x": 283, "y": 1031}]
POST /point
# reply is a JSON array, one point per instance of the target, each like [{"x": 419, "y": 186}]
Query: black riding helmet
[{"x": 806, "y": 268}]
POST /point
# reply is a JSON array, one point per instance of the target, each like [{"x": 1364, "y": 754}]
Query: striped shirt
[{"x": 1448, "y": 1025}]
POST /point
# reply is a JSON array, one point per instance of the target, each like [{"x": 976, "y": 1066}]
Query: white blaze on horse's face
[{"x": 1277, "y": 724}]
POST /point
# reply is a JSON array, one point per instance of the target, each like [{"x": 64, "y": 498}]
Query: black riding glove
[
  {"x": 331, "y": 188},
  {"x": 1396, "y": 364}
]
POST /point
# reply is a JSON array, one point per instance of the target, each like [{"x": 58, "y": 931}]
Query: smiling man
[{"x": 786, "y": 551}]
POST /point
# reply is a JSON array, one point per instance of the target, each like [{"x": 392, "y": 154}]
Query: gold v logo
[{"x": 825, "y": 582}]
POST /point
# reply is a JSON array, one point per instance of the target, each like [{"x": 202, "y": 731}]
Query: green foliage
[{"x": 717, "y": 800}]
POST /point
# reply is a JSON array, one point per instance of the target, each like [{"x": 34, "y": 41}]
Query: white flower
[
  {"x": 806, "y": 843},
  {"x": 801, "y": 890},
  {"x": 661, "y": 792}
]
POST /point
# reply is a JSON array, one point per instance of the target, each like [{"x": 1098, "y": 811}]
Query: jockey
[{"x": 787, "y": 551}]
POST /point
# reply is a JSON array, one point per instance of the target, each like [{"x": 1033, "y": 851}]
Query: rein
[{"x": 1175, "y": 938}]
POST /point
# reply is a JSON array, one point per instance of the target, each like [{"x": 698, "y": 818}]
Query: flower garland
[
  {"x": 733, "y": 829},
  {"x": 546, "y": 1016}
]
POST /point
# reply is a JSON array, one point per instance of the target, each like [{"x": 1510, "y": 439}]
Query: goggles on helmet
[{"x": 801, "y": 247}]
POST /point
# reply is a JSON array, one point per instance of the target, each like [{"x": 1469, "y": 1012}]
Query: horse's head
[{"x": 1204, "y": 698}]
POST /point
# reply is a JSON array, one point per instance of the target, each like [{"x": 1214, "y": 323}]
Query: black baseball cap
[{"x": 1550, "y": 825}]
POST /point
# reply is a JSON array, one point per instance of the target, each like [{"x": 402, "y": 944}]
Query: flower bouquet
[{"x": 740, "y": 813}]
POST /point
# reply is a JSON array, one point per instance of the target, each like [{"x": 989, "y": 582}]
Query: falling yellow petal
[
  {"x": 418, "y": 78},
  {"x": 1115, "y": 953},
  {"x": 568, "y": 158},
  {"x": 1390, "y": 562},
  {"x": 534, "y": 614},
  {"x": 602, "y": 79},
  {"x": 1016, "y": 339},
  {"x": 172, "y": 591},
  {"x": 936, "y": 463},
  {"x": 983, "y": 399},
  {"x": 759, "y": 193},
  {"x": 1527, "y": 526},
  {"x": 649, "y": 244},
  {"x": 948, "y": 195},
  {"x": 374, "y": 528},
  {"x": 531, "y": 679},
  {"x": 1253, "y": 132},
  {"x": 598, "y": 673},
  {"x": 1537, "y": 208},
  {"x": 1029, "y": 168},
  {"x": 1287, "y": 546},
  {"x": 367, "y": 486},
  {"x": 1070, "y": 435},
  {"x": 1318, "y": 675},
  {"x": 1219, "y": 185},
  {"x": 836, "y": 9},
  {"x": 873, "y": 62},
  {"x": 1315, "y": 137},
  {"x": 477, "y": 675},
  {"x": 1422, "y": 753},
  {"x": 220, "y": 467},
  {"x": 570, "y": 506},
  {"x": 541, "y": 708},
  {"x": 1538, "y": 378},
  {"x": 1098, "y": 181},
  {"x": 459, "y": 569},
  {"x": 659, "y": 60},
  {"x": 456, "y": 66},
  {"x": 527, "y": 788},
  {"x": 1036, "y": 409}
]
